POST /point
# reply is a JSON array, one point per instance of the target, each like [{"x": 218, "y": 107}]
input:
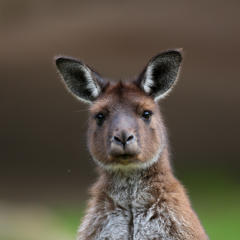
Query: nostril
[
  {"x": 123, "y": 140},
  {"x": 130, "y": 138},
  {"x": 117, "y": 139}
]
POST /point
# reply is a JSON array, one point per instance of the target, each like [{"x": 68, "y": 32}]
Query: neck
[{"x": 127, "y": 186}]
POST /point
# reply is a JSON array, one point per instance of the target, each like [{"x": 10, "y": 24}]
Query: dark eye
[
  {"x": 146, "y": 115},
  {"x": 100, "y": 118}
]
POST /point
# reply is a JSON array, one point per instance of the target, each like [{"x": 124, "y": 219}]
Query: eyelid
[
  {"x": 143, "y": 106},
  {"x": 99, "y": 114},
  {"x": 140, "y": 109},
  {"x": 150, "y": 112},
  {"x": 105, "y": 112}
]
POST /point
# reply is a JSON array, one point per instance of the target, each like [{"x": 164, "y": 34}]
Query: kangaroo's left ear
[
  {"x": 160, "y": 74},
  {"x": 84, "y": 83}
]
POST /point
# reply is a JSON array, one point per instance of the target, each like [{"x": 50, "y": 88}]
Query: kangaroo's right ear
[
  {"x": 161, "y": 74},
  {"x": 85, "y": 84}
]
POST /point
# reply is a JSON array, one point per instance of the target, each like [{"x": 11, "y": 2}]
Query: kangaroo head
[{"x": 125, "y": 126}]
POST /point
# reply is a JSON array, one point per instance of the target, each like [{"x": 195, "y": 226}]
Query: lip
[{"x": 124, "y": 158}]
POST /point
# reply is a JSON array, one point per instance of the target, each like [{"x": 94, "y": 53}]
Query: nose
[{"x": 123, "y": 138}]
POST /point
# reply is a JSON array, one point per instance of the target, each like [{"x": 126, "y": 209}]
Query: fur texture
[
  {"x": 140, "y": 205},
  {"x": 136, "y": 196}
]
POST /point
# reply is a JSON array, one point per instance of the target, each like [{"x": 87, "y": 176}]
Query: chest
[
  {"x": 135, "y": 216},
  {"x": 140, "y": 224},
  {"x": 138, "y": 214}
]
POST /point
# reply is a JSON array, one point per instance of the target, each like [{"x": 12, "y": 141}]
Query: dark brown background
[{"x": 42, "y": 128}]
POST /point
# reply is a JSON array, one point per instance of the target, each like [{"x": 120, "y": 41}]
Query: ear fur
[
  {"x": 85, "y": 84},
  {"x": 161, "y": 74}
]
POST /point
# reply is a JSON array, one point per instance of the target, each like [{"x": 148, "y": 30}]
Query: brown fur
[
  {"x": 134, "y": 101},
  {"x": 136, "y": 196},
  {"x": 164, "y": 186}
]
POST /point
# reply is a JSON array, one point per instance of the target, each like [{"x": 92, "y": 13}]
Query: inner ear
[
  {"x": 160, "y": 74},
  {"x": 84, "y": 83}
]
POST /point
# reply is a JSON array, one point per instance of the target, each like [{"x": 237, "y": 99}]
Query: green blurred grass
[{"x": 215, "y": 197}]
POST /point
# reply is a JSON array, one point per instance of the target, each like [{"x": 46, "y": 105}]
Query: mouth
[{"x": 124, "y": 158}]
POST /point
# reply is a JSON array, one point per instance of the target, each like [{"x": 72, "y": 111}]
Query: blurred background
[{"x": 45, "y": 166}]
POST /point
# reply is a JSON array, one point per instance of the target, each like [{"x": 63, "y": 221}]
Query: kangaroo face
[{"x": 125, "y": 126}]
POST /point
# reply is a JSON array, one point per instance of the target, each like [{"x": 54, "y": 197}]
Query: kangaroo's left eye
[
  {"x": 100, "y": 118},
  {"x": 146, "y": 115}
]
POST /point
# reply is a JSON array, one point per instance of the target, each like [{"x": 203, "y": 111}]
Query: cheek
[
  {"x": 150, "y": 139},
  {"x": 97, "y": 142}
]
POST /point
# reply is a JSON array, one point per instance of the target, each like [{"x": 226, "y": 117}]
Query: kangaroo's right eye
[
  {"x": 146, "y": 115},
  {"x": 100, "y": 118}
]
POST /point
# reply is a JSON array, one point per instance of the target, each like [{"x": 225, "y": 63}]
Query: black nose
[{"x": 123, "y": 138}]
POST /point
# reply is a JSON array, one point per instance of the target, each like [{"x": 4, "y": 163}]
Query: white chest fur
[
  {"x": 130, "y": 219},
  {"x": 155, "y": 222}
]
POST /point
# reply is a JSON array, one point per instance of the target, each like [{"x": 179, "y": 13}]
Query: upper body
[
  {"x": 136, "y": 196},
  {"x": 149, "y": 204}
]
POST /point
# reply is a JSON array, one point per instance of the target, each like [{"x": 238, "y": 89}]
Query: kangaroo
[{"x": 136, "y": 195}]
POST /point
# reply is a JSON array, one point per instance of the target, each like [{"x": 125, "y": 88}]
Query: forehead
[{"x": 123, "y": 95}]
